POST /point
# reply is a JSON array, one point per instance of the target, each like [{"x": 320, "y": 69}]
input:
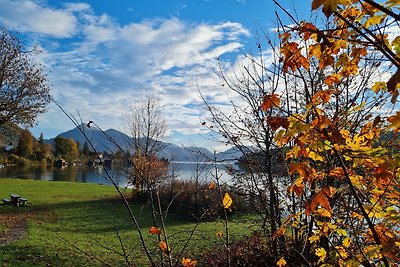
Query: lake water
[{"x": 84, "y": 174}]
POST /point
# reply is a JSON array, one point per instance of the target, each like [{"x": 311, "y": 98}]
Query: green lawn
[{"x": 76, "y": 224}]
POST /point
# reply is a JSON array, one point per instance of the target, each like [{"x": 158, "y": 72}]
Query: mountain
[
  {"x": 101, "y": 141},
  {"x": 105, "y": 142},
  {"x": 230, "y": 154}
]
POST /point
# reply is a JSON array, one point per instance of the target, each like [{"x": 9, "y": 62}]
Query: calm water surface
[{"x": 83, "y": 174}]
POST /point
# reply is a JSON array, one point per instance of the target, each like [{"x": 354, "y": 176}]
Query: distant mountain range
[{"x": 104, "y": 142}]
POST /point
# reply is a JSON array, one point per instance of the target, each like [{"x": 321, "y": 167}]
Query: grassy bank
[{"x": 75, "y": 224}]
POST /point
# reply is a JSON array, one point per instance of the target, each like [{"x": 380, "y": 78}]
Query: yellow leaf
[
  {"x": 324, "y": 212},
  {"x": 227, "y": 201},
  {"x": 341, "y": 232},
  {"x": 219, "y": 234},
  {"x": 314, "y": 156},
  {"x": 346, "y": 242},
  {"x": 374, "y": 20},
  {"x": 321, "y": 253},
  {"x": 378, "y": 86},
  {"x": 396, "y": 45},
  {"x": 313, "y": 238},
  {"x": 281, "y": 262}
]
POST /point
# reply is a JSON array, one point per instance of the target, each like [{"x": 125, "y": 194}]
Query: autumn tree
[
  {"x": 342, "y": 165},
  {"x": 148, "y": 171},
  {"x": 66, "y": 148},
  {"x": 42, "y": 150},
  {"x": 24, "y": 92},
  {"x": 25, "y": 144}
]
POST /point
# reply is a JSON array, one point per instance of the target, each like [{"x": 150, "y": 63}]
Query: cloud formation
[{"x": 99, "y": 66}]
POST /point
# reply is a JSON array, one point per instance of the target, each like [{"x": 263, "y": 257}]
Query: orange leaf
[
  {"x": 270, "y": 101},
  {"x": 337, "y": 173},
  {"x": 320, "y": 198},
  {"x": 308, "y": 29},
  {"x": 329, "y": 7},
  {"x": 322, "y": 122},
  {"x": 324, "y": 95},
  {"x": 279, "y": 232},
  {"x": 281, "y": 262},
  {"x": 316, "y": 4},
  {"x": 186, "y": 262},
  {"x": 395, "y": 121},
  {"x": 331, "y": 79},
  {"x": 163, "y": 246},
  {"x": 276, "y": 121},
  {"x": 211, "y": 185},
  {"x": 154, "y": 230},
  {"x": 304, "y": 170}
]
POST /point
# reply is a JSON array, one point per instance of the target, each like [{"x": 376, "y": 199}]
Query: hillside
[{"x": 106, "y": 142}]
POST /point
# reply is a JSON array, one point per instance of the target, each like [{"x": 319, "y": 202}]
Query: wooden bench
[
  {"x": 6, "y": 201},
  {"x": 22, "y": 201}
]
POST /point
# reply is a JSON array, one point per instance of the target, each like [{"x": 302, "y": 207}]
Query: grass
[{"x": 77, "y": 224}]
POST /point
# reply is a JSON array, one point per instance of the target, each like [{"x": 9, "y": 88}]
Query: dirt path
[{"x": 16, "y": 229}]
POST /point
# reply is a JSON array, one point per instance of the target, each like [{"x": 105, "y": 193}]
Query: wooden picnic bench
[
  {"x": 22, "y": 201},
  {"x": 15, "y": 199},
  {"x": 6, "y": 201}
]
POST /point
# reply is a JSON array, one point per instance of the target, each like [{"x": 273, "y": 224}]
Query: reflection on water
[{"x": 83, "y": 174}]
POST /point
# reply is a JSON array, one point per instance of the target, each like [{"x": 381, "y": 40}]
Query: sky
[{"x": 102, "y": 56}]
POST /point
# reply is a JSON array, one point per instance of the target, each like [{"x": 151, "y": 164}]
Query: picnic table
[{"x": 15, "y": 199}]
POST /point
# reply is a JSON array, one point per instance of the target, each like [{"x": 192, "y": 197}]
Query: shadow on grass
[{"x": 21, "y": 256}]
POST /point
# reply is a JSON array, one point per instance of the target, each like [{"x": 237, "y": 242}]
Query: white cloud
[
  {"x": 27, "y": 16},
  {"x": 106, "y": 65}
]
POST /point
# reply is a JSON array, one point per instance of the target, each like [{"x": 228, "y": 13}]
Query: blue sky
[{"x": 103, "y": 55}]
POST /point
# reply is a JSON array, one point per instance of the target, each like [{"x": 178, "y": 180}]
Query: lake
[{"x": 84, "y": 174}]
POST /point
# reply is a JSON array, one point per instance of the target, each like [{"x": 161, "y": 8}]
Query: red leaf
[{"x": 276, "y": 121}]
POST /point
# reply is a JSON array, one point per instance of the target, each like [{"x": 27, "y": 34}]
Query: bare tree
[
  {"x": 24, "y": 92},
  {"x": 147, "y": 127}
]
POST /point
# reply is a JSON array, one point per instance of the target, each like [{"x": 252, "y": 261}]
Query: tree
[
  {"x": 345, "y": 172},
  {"x": 24, "y": 92},
  {"x": 25, "y": 144},
  {"x": 148, "y": 171},
  {"x": 85, "y": 149},
  {"x": 148, "y": 129},
  {"x": 66, "y": 148}
]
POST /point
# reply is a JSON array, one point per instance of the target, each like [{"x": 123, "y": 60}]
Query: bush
[
  {"x": 187, "y": 197},
  {"x": 251, "y": 251},
  {"x": 19, "y": 161}
]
